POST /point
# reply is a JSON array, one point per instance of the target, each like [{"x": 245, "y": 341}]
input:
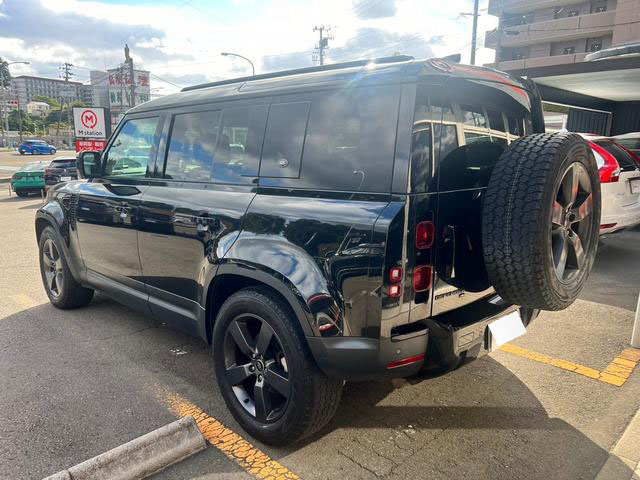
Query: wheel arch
[{"x": 231, "y": 278}]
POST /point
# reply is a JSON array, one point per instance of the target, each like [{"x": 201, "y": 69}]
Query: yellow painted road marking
[
  {"x": 616, "y": 373},
  {"x": 250, "y": 458}
]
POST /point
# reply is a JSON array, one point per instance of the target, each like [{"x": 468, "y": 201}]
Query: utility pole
[
  {"x": 66, "y": 75},
  {"x": 323, "y": 41},
  {"x": 475, "y": 32}
]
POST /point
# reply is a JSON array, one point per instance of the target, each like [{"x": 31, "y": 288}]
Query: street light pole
[
  {"x": 5, "y": 131},
  {"x": 229, "y": 54}
]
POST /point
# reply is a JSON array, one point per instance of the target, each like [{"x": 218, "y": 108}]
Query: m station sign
[{"x": 91, "y": 127}]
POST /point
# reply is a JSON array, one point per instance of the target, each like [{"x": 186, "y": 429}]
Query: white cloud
[{"x": 182, "y": 42}]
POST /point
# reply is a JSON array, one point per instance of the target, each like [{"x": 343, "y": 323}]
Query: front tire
[
  {"x": 265, "y": 370},
  {"x": 21, "y": 194},
  {"x": 62, "y": 289}
]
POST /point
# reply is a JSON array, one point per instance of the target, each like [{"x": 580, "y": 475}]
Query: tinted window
[
  {"x": 421, "y": 159},
  {"x": 350, "y": 140},
  {"x": 192, "y": 146},
  {"x": 496, "y": 122},
  {"x": 448, "y": 140},
  {"x": 473, "y": 116},
  {"x": 238, "y": 154},
  {"x": 516, "y": 126},
  {"x": 284, "y": 138},
  {"x": 133, "y": 149},
  {"x": 471, "y": 137},
  {"x": 625, "y": 160}
]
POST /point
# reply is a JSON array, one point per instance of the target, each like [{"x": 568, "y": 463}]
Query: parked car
[
  {"x": 29, "y": 179},
  {"x": 61, "y": 169},
  {"x": 380, "y": 217},
  {"x": 620, "y": 183},
  {"x": 36, "y": 147},
  {"x": 630, "y": 141}
]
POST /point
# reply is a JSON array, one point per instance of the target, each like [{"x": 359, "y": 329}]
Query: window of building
[
  {"x": 192, "y": 146},
  {"x": 569, "y": 50},
  {"x": 557, "y": 13},
  {"x": 284, "y": 139},
  {"x": 133, "y": 148},
  {"x": 517, "y": 56},
  {"x": 573, "y": 13},
  {"x": 595, "y": 47}
]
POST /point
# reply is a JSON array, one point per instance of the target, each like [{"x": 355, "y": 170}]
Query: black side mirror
[{"x": 89, "y": 164}]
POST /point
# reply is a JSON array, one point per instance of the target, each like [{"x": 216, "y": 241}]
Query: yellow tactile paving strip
[
  {"x": 617, "y": 373},
  {"x": 250, "y": 458}
]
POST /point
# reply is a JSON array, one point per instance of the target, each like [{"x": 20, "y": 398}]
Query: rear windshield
[
  {"x": 32, "y": 167},
  {"x": 625, "y": 160},
  {"x": 62, "y": 163}
]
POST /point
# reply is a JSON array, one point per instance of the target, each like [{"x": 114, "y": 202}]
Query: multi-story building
[
  {"x": 38, "y": 108},
  {"x": 27, "y": 87},
  {"x": 539, "y": 33}
]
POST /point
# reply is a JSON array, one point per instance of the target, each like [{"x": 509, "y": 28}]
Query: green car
[{"x": 29, "y": 179}]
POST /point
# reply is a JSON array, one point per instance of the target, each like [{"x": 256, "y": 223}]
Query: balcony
[
  {"x": 511, "y": 65},
  {"x": 496, "y": 7},
  {"x": 592, "y": 25}
]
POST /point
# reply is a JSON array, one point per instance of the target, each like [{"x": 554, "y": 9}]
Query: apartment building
[
  {"x": 27, "y": 87},
  {"x": 539, "y": 33}
]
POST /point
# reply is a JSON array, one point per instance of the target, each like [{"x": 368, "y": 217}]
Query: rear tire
[
  {"x": 541, "y": 220},
  {"x": 62, "y": 289},
  {"x": 298, "y": 407}
]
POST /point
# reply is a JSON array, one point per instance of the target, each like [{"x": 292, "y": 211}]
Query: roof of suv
[{"x": 379, "y": 71}]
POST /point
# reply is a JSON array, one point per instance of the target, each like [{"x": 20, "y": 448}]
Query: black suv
[
  {"x": 61, "y": 169},
  {"x": 361, "y": 220}
]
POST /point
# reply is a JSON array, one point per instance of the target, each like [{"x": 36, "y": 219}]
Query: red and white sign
[
  {"x": 93, "y": 145},
  {"x": 89, "y": 122}
]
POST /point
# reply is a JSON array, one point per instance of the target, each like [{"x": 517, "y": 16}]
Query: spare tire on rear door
[{"x": 541, "y": 219}]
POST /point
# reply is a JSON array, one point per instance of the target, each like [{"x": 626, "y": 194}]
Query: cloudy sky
[{"x": 180, "y": 40}]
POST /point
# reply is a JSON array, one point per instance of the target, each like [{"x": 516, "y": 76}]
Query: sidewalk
[{"x": 625, "y": 455}]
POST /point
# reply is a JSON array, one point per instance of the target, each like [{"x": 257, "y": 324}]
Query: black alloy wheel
[
  {"x": 256, "y": 368},
  {"x": 52, "y": 268},
  {"x": 572, "y": 222}
]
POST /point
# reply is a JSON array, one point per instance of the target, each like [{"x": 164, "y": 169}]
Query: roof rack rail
[{"x": 286, "y": 73}]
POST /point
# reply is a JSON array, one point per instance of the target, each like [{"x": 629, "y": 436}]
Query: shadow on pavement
[
  {"x": 615, "y": 279},
  {"x": 76, "y": 384}
]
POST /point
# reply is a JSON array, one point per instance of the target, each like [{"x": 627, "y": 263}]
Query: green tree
[
  {"x": 5, "y": 76},
  {"x": 27, "y": 122}
]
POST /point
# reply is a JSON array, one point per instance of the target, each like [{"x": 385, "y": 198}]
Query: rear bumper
[
  {"x": 443, "y": 342},
  {"x": 621, "y": 221}
]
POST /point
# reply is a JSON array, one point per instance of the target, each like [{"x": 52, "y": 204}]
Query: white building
[{"x": 38, "y": 108}]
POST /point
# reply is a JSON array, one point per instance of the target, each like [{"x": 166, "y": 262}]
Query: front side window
[
  {"x": 133, "y": 148},
  {"x": 192, "y": 146}
]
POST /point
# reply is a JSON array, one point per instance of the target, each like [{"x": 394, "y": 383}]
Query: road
[
  {"x": 11, "y": 161},
  {"x": 77, "y": 383}
]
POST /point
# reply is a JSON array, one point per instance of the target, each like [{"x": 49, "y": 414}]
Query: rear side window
[
  {"x": 192, "y": 145},
  {"x": 284, "y": 139},
  {"x": 625, "y": 160},
  {"x": 350, "y": 140},
  {"x": 473, "y": 116},
  {"x": 496, "y": 121}
]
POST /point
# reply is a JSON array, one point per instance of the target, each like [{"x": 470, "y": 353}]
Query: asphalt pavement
[{"x": 78, "y": 383}]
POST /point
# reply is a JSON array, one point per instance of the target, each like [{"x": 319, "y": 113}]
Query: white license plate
[
  {"x": 507, "y": 328},
  {"x": 635, "y": 185},
  {"x": 65, "y": 179}
]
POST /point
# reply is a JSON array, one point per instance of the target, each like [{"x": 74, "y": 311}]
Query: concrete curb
[
  {"x": 625, "y": 456},
  {"x": 142, "y": 456}
]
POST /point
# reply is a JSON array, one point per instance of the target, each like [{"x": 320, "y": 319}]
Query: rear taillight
[
  {"x": 47, "y": 171},
  {"x": 395, "y": 274},
  {"x": 610, "y": 171},
  {"x": 425, "y": 234},
  {"x": 422, "y": 278}
]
